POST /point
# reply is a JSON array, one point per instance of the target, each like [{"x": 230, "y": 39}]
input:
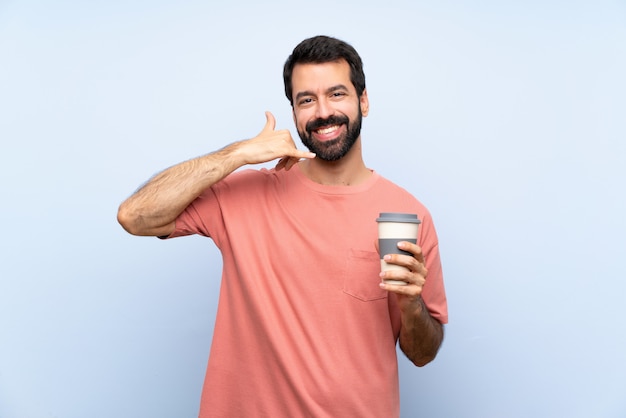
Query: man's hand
[
  {"x": 415, "y": 277},
  {"x": 271, "y": 144}
]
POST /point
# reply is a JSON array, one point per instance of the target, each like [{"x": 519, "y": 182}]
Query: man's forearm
[
  {"x": 421, "y": 335},
  {"x": 154, "y": 207}
]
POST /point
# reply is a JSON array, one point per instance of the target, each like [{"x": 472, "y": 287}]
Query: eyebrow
[{"x": 328, "y": 91}]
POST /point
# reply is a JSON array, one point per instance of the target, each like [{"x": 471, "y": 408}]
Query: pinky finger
[
  {"x": 291, "y": 162},
  {"x": 281, "y": 163}
]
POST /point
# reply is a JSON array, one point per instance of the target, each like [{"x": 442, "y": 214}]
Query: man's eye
[
  {"x": 305, "y": 101},
  {"x": 338, "y": 94}
]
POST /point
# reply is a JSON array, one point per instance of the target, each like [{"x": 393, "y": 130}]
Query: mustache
[{"x": 331, "y": 120}]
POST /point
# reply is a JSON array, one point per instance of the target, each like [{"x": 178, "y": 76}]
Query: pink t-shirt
[{"x": 302, "y": 328}]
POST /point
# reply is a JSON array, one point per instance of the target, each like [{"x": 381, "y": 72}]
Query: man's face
[{"x": 326, "y": 108}]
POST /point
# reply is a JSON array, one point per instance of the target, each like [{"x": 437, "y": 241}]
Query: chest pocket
[{"x": 360, "y": 276}]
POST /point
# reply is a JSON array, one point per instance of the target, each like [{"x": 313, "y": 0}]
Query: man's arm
[
  {"x": 421, "y": 335},
  {"x": 153, "y": 209}
]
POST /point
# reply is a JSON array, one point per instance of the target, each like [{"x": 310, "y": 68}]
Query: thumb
[{"x": 270, "y": 124}]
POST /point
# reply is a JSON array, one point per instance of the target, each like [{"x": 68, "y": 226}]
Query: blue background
[{"x": 507, "y": 119}]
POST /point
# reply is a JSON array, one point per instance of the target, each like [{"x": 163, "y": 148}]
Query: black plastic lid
[{"x": 398, "y": 217}]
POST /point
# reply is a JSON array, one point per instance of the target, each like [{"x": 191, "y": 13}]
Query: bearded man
[{"x": 306, "y": 324}]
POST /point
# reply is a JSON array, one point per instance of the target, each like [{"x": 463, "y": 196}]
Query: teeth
[{"x": 328, "y": 130}]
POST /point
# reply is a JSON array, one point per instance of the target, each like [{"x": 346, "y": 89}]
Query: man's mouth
[
  {"x": 327, "y": 133},
  {"x": 327, "y": 130}
]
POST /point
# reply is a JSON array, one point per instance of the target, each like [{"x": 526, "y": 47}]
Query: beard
[{"x": 337, "y": 148}]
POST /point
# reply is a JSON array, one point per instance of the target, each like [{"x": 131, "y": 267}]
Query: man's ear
[{"x": 364, "y": 103}]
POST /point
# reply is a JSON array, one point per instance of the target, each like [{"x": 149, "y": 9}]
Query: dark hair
[{"x": 319, "y": 50}]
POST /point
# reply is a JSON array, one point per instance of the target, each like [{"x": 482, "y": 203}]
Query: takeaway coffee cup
[{"x": 394, "y": 227}]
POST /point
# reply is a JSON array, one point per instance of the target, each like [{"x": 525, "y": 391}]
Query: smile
[{"x": 327, "y": 130}]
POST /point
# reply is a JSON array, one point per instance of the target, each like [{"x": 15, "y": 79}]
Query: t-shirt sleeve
[
  {"x": 201, "y": 217},
  {"x": 205, "y": 215},
  {"x": 433, "y": 294}
]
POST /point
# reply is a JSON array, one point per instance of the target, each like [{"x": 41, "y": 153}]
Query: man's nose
[{"x": 324, "y": 109}]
